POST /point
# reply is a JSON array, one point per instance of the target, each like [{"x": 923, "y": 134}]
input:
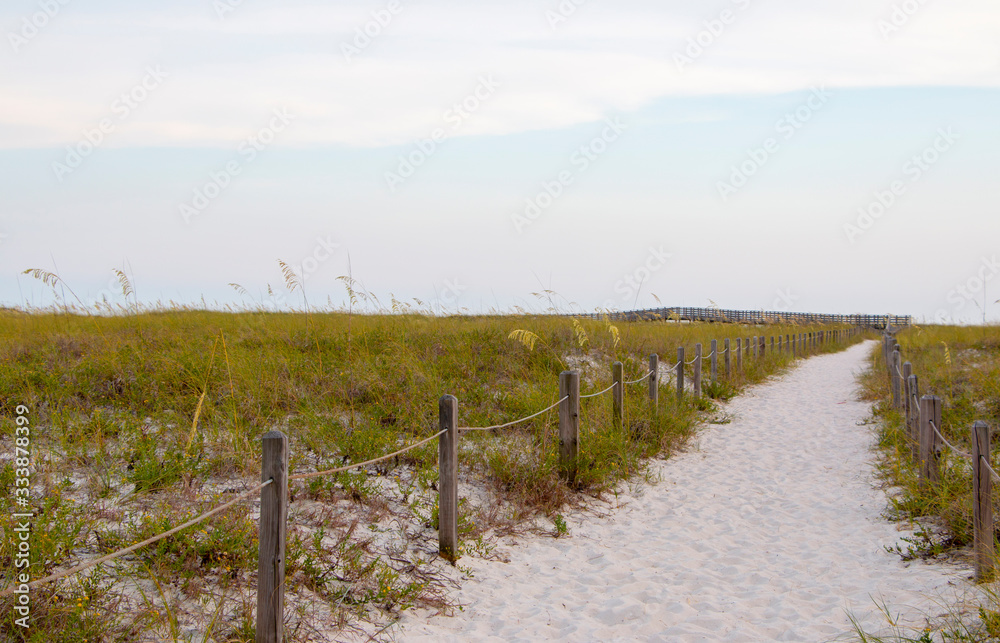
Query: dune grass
[
  {"x": 961, "y": 365},
  {"x": 144, "y": 418}
]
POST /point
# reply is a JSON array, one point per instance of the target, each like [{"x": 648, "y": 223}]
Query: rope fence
[
  {"x": 504, "y": 426},
  {"x": 317, "y": 474},
  {"x": 149, "y": 541},
  {"x": 922, "y": 420},
  {"x": 274, "y": 490},
  {"x": 949, "y": 444},
  {"x": 641, "y": 379},
  {"x": 599, "y": 392}
]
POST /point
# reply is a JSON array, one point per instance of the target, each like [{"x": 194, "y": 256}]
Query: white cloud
[{"x": 227, "y": 75}]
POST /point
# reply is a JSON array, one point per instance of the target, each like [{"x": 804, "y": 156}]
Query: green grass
[
  {"x": 142, "y": 419},
  {"x": 961, "y": 365}
]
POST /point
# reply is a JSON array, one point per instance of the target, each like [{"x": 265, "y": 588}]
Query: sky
[{"x": 830, "y": 156}]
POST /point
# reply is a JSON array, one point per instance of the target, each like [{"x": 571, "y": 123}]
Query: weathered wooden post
[
  {"x": 762, "y": 345},
  {"x": 906, "y": 401},
  {"x": 896, "y": 392},
  {"x": 618, "y": 394},
  {"x": 772, "y": 344},
  {"x": 729, "y": 369},
  {"x": 696, "y": 381},
  {"x": 793, "y": 346},
  {"x": 982, "y": 503},
  {"x": 756, "y": 347},
  {"x": 654, "y": 382},
  {"x": 739, "y": 354},
  {"x": 930, "y": 446},
  {"x": 680, "y": 374},
  {"x": 448, "y": 478},
  {"x": 271, "y": 544},
  {"x": 715, "y": 362},
  {"x": 914, "y": 418},
  {"x": 569, "y": 424}
]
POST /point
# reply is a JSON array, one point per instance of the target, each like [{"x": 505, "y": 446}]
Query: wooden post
[
  {"x": 905, "y": 402},
  {"x": 914, "y": 418},
  {"x": 739, "y": 354},
  {"x": 930, "y": 446},
  {"x": 569, "y": 424},
  {"x": 982, "y": 505},
  {"x": 896, "y": 392},
  {"x": 772, "y": 344},
  {"x": 729, "y": 369},
  {"x": 756, "y": 347},
  {"x": 654, "y": 382},
  {"x": 793, "y": 346},
  {"x": 697, "y": 370},
  {"x": 680, "y": 374},
  {"x": 271, "y": 552},
  {"x": 448, "y": 478},
  {"x": 618, "y": 394},
  {"x": 715, "y": 362},
  {"x": 762, "y": 345}
]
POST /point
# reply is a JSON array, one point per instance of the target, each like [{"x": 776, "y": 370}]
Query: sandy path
[{"x": 768, "y": 529}]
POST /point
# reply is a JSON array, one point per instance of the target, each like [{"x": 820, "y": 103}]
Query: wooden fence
[
  {"x": 722, "y": 315},
  {"x": 274, "y": 468},
  {"x": 922, "y": 417}
]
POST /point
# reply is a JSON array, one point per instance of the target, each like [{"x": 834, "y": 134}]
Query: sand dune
[{"x": 769, "y": 528}]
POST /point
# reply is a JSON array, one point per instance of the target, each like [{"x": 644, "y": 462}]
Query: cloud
[{"x": 228, "y": 74}]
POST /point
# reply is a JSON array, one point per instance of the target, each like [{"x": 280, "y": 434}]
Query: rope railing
[
  {"x": 149, "y": 541},
  {"x": 275, "y": 451},
  {"x": 208, "y": 514},
  {"x": 598, "y": 393},
  {"x": 927, "y": 441},
  {"x": 986, "y": 463},
  {"x": 317, "y": 474},
  {"x": 512, "y": 423},
  {"x": 641, "y": 379},
  {"x": 950, "y": 445}
]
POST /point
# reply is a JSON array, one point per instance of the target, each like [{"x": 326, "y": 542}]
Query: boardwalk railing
[
  {"x": 723, "y": 315},
  {"x": 275, "y": 478},
  {"x": 922, "y": 419}
]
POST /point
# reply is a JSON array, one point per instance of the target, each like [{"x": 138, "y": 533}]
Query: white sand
[{"x": 769, "y": 529}]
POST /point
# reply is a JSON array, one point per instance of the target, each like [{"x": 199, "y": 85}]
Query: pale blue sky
[{"x": 835, "y": 103}]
